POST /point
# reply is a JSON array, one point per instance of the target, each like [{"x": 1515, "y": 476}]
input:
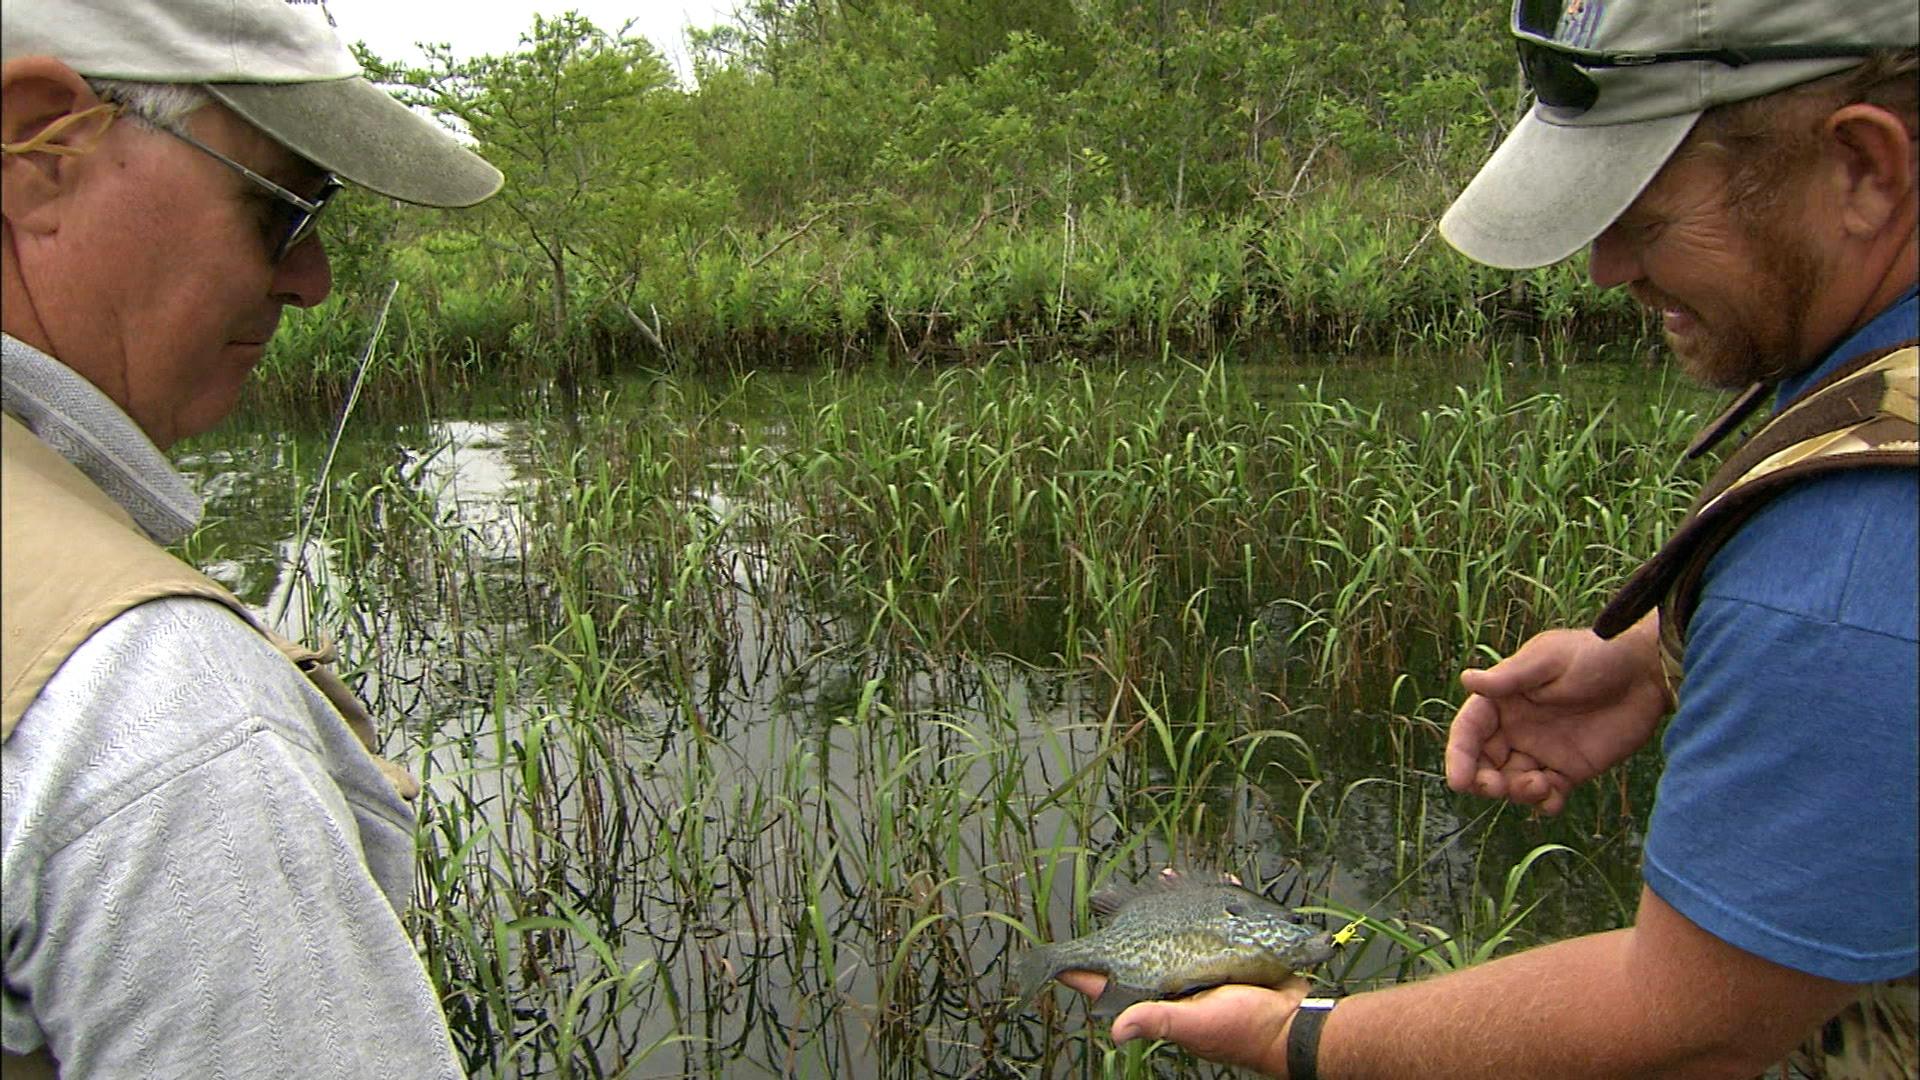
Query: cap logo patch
[
  {"x": 1578, "y": 22},
  {"x": 321, "y": 4}
]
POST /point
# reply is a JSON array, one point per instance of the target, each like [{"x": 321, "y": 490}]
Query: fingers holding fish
[
  {"x": 1234, "y": 1025},
  {"x": 1090, "y": 983}
]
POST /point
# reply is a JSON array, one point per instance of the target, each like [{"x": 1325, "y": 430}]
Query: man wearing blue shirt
[{"x": 1747, "y": 170}]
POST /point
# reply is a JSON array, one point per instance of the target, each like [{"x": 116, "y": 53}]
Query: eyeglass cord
[{"x": 42, "y": 141}]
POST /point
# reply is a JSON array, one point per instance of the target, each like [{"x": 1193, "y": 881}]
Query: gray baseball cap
[
  {"x": 279, "y": 65},
  {"x": 1620, "y": 83}
]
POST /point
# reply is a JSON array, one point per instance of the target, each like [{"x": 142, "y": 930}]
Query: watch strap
[{"x": 1303, "y": 1037}]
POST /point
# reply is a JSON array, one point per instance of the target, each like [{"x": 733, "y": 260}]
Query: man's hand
[
  {"x": 1233, "y": 1025},
  {"x": 1563, "y": 709}
]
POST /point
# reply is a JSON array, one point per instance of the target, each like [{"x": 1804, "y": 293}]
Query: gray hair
[{"x": 161, "y": 105}]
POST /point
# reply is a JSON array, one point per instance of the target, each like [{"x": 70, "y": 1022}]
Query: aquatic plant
[{"x": 768, "y": 717}]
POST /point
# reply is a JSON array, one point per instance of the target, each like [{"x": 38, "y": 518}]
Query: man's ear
[
  {"x": 1873, "y": 169},
  {"x": 36, "y": 94}
]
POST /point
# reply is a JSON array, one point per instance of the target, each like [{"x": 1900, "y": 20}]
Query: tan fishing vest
[
  {"x": 1861, "y": 416},
  {"x": 71, "y": 560}
]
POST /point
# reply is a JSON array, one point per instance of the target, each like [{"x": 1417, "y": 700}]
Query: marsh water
[{"x": 696, "y": 806}]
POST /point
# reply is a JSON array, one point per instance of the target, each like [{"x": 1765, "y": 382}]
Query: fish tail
[{"x": 1033, "y": 970}]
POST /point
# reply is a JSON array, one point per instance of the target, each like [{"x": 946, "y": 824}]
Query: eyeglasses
[
  {"x": 303, "y": 217},
  {"x": 301, "y": 220},
  {"x": 1556, "y": 71}
]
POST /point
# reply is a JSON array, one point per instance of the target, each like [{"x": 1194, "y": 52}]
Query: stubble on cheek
[{"x": 1756, "y": 338}]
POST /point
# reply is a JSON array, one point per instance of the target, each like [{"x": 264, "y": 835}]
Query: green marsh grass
[
  {"x": 791, "y": 708},
  {"x": 1357, "y": 267}
]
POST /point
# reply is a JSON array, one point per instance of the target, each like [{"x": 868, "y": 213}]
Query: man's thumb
[
  {"x": 1146, "y": 1020},
  {"x": 1517, "y": 673}
]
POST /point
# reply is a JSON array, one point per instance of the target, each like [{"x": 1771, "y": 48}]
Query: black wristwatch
[{"x": 1303, "y": 1038}]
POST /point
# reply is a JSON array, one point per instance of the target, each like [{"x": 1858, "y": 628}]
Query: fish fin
[
  {"x": 1114, "y": 1000},
  {"x": 1114, "y": 897},
  {"x": 1171, "y": 876},
  {"x": 1174, "y": 876}
]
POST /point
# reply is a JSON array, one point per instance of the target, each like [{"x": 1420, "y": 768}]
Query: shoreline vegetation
[
  {"x": 1137, "y": 283},
  {"x": 932, "y": 181}
]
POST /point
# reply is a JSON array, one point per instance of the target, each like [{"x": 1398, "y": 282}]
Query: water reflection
[{"x": 465, "y": 468}]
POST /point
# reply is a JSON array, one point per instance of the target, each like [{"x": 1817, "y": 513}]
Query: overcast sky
[{"x": 392, "y": 27}]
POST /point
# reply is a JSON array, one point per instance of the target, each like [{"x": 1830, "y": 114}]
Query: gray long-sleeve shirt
[{"x": 201, "y": 871}]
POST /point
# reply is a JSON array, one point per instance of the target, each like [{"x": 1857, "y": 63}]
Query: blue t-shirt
[{"x": 1785, "y": 822}]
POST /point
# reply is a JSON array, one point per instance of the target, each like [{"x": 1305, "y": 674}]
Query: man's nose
[
  {"x": 1613, "y": 260},
  {"x": 305, "y": 276}
]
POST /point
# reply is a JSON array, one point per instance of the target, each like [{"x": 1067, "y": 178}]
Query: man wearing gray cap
[
  {"x": 204, "y": 862},
  {"x": 1747, "y": 170}
]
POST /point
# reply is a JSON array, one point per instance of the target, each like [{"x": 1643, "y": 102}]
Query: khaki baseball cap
[
  {"x": 277, "y": 63},
  {"x": 1619, "y": 83}
]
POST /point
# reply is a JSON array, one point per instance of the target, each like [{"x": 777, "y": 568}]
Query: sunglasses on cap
[{"x": 1558, "y": 72}]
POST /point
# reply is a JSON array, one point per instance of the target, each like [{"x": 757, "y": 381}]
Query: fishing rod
[{"x": 326, "y": 466}]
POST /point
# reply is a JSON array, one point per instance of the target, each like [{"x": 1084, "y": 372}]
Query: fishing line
[
  {"x": 1346, "y": 933},
  {"x": 326, "y": 467}
]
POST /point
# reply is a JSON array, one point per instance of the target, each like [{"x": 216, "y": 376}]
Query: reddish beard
[{"x": 1766, "y": 346}]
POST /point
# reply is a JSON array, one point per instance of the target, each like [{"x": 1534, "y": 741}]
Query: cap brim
[
  {"x": 1550, "y": 188},
  {"x": 357, "y": 130}
]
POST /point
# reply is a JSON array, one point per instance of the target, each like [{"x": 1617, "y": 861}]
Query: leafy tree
[
  {"x": 850, "y": 171},
  {"x": 589, "y": 128}
]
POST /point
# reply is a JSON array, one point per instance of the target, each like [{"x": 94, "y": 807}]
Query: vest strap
[{"x": 1860, "y": 416}]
